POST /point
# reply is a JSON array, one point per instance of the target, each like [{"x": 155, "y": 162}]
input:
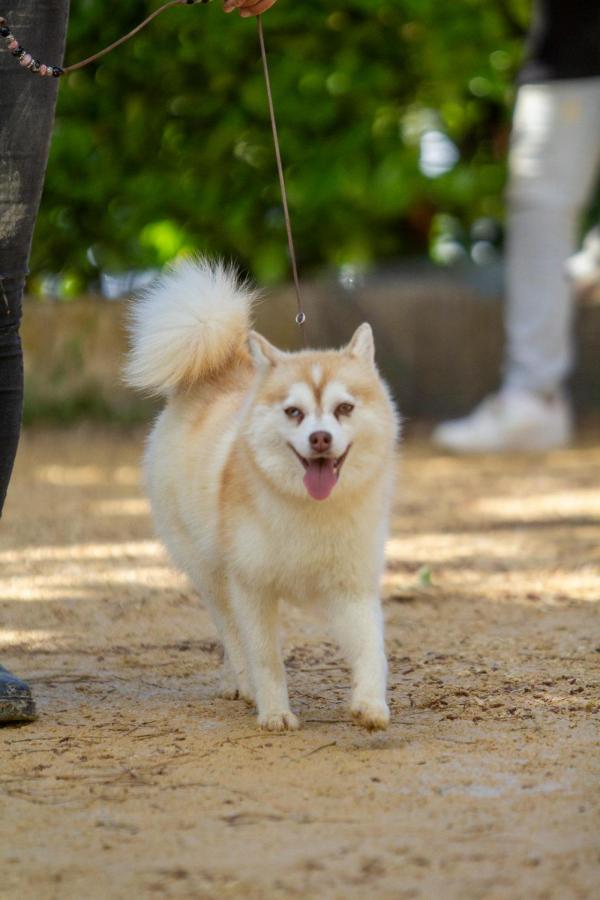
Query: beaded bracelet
[{"x": 26, "y": 59}]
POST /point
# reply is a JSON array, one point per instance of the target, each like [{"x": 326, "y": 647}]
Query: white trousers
[{"x": 553, "y": 161}]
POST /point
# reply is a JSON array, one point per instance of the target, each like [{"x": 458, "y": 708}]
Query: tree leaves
[{"x": 170, "y": 134}]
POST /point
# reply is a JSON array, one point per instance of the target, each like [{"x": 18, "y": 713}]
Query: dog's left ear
[
  {"x": 362, "y": 344},
  {"x": 264, "y": 354}
]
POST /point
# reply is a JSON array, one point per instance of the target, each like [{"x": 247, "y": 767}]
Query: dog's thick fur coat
[{"x": 270, "y": 476}]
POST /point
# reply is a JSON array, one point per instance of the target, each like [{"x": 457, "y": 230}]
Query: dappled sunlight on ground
[
  {"x": 550, "y": 506},
  {"x": 83, "y": 475},
  {"x": 127, "y": 506},
  {"x": 124, "y": 549},
  {"x": 515, "y": 529},
  {"x": 137, "y": 775}
]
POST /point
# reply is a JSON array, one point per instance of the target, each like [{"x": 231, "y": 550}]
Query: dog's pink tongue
[{"x": 320, "y": 478}]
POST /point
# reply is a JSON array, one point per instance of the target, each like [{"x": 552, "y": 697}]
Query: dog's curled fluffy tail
[{"x": 188, "y": 326}]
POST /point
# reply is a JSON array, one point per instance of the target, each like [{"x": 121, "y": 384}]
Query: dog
[{"x": 270, "y": 476}]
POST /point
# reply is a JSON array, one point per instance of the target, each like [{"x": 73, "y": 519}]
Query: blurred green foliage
[{"x": 165, "y": 144}]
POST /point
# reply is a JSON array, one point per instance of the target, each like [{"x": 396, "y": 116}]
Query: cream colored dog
[{"x": 270, "y": 476}]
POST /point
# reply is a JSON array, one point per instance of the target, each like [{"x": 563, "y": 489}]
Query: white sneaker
[
  {"x": 509, "y": 420},
  {"x": 584, "y": 267}
]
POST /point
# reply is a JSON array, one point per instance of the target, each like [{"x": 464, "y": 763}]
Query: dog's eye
[
  {"x": 292, "y": 412},
  {"x": 344, "y": 409}
]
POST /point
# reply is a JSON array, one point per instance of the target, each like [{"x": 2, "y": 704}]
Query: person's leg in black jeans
[{"x": 27, "y": 103}]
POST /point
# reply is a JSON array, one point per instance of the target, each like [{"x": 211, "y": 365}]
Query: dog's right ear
[
  {"x": 264, "y": 354},
  {"x": 362, "y": 344}
]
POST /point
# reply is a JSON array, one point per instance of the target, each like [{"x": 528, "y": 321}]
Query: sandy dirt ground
[{"x": 136, "y": 781}]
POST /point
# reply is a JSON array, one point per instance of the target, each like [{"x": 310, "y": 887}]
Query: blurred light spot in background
[
  {"x": 480, "y": 86},
  {"x": 500, "y": 60},
  {"x": 483, "y": 253},
  {"x": 351, "y": 276},
  {"x": 116, "y": 285},
  {"x": 338, "y": 83},
  {"x": 438, "y": 154},
  {"x": 166, "y": 238},
  {"x": 485, "y": 235},
  {"x": 447, "y": 251},
  {"x": 447, "y": 246}
]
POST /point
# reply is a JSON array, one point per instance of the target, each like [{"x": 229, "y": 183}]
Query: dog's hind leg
[
  {"x": 357, "y": 623},
  {"x": 258, "y": 619},
  {"x": 235, "y": 677}
]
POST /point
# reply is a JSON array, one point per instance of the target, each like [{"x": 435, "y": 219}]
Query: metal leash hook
[{"x": 301, "y": 315}]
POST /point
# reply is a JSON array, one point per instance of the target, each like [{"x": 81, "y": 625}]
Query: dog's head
[{"x": 321, "y": 422}]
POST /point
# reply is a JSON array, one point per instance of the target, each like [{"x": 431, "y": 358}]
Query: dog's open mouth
[{"x": 322, "y": 473}]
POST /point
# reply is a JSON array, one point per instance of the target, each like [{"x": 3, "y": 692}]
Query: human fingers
[
  {"x": 255, "y": 7},
  {"x": 230, "y": 5}
]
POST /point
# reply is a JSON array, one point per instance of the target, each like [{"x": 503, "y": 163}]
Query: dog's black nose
[{"x": 320, "y": 441}]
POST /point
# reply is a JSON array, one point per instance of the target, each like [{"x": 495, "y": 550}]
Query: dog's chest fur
[{"x": 303, "y": 552}]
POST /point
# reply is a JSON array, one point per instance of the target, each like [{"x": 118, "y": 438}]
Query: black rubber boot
[{"x": 16, "y": 702}]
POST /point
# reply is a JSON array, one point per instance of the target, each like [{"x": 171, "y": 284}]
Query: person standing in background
[
  {"x": 27, "y": 105},
  {"x": 553, "y": 162}
]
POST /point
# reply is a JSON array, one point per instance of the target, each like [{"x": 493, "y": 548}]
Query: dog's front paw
[
  {"x": 278, "y": 721},
  {"x": 373, "y": 715}
]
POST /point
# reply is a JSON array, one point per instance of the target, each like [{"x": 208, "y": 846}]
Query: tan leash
[
  {"x": 301, "y": 315},
  {"x": 29, "y": 62}
]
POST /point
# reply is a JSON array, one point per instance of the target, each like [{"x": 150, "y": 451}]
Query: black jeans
[{"x": 27, "y": 103}]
